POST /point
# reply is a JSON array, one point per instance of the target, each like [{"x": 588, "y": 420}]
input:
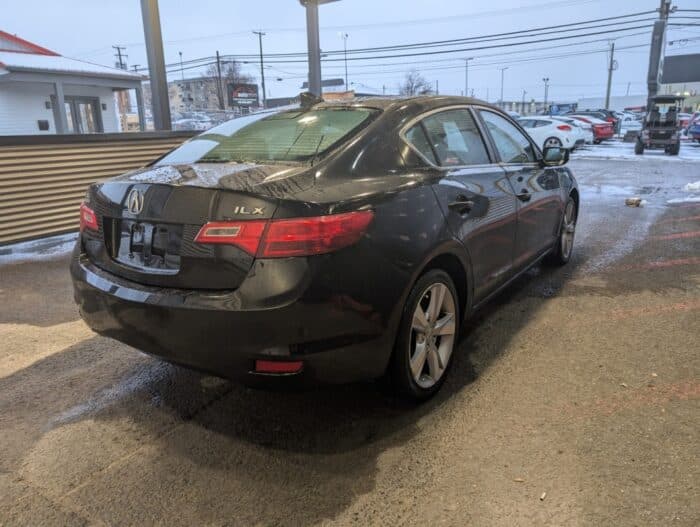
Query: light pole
[
  {"x": 466, "y": 75},
  {"x": 522, "y": 106},
  {"x": 546, "y": 91},
  {"x": 182, "y": 70},
  {"x": 345, "y": 36},
  {"x": 313, "y": 43},
  {"x": 503, "y": 69},
  {"x": 262, "y": 67}
]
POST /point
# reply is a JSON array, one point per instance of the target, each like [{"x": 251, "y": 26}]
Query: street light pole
[
  {"x": 262, "y": 67},
  {"x": 156, "y": 65},
  {"x": 522, "y": 106},
  {"x": 466, "y": 75},
  {"x": 344, "y": 36},
  {"x": 314, "y": 44},
  {"x": 546, "y": 91},
  {"x": 182, "y": 70},
  {"x": 503, "y": 69}
]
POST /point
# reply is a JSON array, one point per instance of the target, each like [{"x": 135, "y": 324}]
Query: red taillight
[
  {"x": 243, "y": 234},
  {"x": 289, "y": 237},
  {"x": 88, "y": 219},
  {"x": 318, "y": 235},
  {"x": 278, "y": 367},
  {"x": 564, "y": 127}
]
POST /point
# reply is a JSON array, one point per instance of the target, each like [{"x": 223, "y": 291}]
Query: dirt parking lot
[{"x": 574, "y": 400}]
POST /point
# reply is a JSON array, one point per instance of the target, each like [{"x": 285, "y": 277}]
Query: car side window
[
  {"x": 416, "y": 136},
  {"x": 456, "y": 139},
  {"x": 511, "y": 143}
]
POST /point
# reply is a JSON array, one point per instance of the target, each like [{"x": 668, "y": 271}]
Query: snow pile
[
  {"x": 693, "y": 199},
  {"x": 692, "y": 187},
  {"x": 38, "y": 250}
]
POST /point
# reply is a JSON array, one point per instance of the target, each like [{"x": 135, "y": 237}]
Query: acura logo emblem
[{"x": 135, "y": 201}]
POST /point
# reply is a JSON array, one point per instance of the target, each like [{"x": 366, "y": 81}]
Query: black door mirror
[{"x": 554, "y": 156}]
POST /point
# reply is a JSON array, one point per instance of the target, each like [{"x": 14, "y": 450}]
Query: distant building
[
  {"x": 42, "y": 92},
  {"x": 188, "y": 95}
]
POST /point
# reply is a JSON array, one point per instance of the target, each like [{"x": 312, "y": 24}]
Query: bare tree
[
  {"x": 230, "y": 72},
  {"x": 415, "y": 84}
]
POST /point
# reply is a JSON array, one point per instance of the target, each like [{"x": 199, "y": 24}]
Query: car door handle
[
  {"x": 462, "y": 204},
  {"x": 524, "y": 195}
]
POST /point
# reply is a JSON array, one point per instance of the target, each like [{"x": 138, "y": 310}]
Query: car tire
[
  {"x": 674, "y": 150},
  {"x": 596, "y": 141},
  {"x": 552, "y": 141},
  {"x": 638, "y": 147},
  {"x": 563, "y": 248},
  {"x": 421, "y": 358}
]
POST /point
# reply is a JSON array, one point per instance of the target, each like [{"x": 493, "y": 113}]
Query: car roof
[{"x": 417, "y": 103}]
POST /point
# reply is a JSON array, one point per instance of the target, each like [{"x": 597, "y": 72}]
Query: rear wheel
[
  {"x": 639, "y": 148},
  {"x": 427, "y": 336},
  {"x": 561, "y": 252},
  {"x": 674, "y": 150}
]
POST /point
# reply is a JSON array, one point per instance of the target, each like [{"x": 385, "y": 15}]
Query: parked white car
[
  {"x": 585, "y": 129},
  {"x": 547, "y": 131}
]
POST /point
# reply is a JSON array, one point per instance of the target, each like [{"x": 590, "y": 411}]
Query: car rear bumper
[{"x": 337, "y": 340}]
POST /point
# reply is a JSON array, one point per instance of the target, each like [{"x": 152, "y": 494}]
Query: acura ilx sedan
[{"x": 329, "y": 243}]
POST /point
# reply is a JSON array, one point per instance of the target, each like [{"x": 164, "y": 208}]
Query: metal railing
[{"x": 43, "y": 179}]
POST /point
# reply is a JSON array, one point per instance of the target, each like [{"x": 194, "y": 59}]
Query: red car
[{"x": 602, "y": 130}]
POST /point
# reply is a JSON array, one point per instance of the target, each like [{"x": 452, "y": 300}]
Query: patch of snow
[
  {"x": 692, "y": 187},
  {"x": 43, "y": 249},
  {"x": 689, "y": 199}
]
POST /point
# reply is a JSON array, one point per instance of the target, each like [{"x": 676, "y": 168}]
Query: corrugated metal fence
[{"x": 43, "y": 178}]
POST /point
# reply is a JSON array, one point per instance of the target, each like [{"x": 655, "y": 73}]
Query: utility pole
[
  {"x": 135, "y": 67},
  {"x": 156, "y": 64},
  {"x": 503, "y": 69},
  {"x": 629, "y": 84},
  {"x": 656, "y": 52},
  {"x": 182, "y": 70},
  {"x": 383, "y": 89},
  {"x": 611, "y": 67},
  {"x": 262, "y": 67},
  {"x": 345, "y": 36},
  {"x": 466, "y": 75},
  {"x": 121, "y": 59},
  {"x": 546, "y": 91},
  {"x": 219, "y": 87},
  {"x": 522, "y": 106},
  {"x": 437, "y": 87}
]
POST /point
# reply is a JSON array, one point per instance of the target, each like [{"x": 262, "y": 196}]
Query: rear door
[
  {"x": 537, "y": 189},
  {"x": 474, "y": 194}
]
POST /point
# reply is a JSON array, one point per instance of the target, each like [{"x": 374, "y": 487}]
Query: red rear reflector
[
  {"x": 243, "y": 234},
  {"x": 318, "y": 235},
  {"x": 289, "y": 237},
  {"x": 274, "y": 366},
  {"x": 564, "y": 127},
  {"x": 88, "y": 219}
]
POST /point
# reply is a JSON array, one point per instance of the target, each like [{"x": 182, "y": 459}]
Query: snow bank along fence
[{"x": 43, "y": 179}]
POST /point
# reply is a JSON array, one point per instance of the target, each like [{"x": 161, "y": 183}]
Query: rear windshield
[{"x": 291, "y": 136}]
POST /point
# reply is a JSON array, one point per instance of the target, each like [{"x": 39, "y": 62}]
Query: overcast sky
[{"x": 87, "y": 29}]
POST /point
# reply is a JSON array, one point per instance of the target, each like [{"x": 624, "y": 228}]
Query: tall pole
[
  {"x": 120, "y": 57},
  {"x": 522, "y": 106},
  {"x": 182, "y": 70},
  {"x": 503, "y": 69},
  {"x": 156, "y": 64},
  {"x": 219, "y": 86},
  {"x": 262, "y": 67},
  {"x": 345, "y": 54},
  {"x": 466, "y": 75},
  {"x": 611, "y": 68},
  {"x": 546, "y": 91},
  {"x": 314, "y": 45},
  {"x": 656, "y": 52}
]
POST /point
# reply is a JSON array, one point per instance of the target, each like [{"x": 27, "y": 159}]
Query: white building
[{"x": 42, "y": 92}]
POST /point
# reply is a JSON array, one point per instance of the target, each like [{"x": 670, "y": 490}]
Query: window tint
[
  {"x": 416, "y": 136},
  {"x": 455, "y": 138},
  {"x": 510, "y": 142}
]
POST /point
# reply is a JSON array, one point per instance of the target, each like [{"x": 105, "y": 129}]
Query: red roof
[{"x": 29, "y": 47}]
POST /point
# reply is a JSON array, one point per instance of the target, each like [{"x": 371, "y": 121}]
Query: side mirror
[{"x": 554, "y": 156}]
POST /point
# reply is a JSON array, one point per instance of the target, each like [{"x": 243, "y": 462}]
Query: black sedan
[{"x": 334, "y": 242}]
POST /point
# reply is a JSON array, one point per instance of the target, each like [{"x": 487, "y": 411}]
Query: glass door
[{"x": 83, "y": 115}]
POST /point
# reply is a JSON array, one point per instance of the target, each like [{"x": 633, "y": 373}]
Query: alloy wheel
[
  {"x": 432, "y": 335},
  {"x": 552, "y": 141},
  {"x": 568, "y": 230}
]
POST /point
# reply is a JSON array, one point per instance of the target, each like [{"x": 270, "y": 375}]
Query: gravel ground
[{"x": 574, "y": 400}]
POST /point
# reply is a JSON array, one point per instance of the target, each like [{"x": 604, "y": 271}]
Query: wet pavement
[{"x": 574, "y": 400}]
